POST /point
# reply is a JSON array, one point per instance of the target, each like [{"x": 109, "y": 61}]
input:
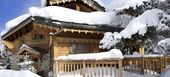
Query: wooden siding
[{"x": 62, "y": 45}]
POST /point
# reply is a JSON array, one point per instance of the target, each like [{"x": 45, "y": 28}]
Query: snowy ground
[
  {"x": 13, "y": 73},
  {"x": 98, "y": 73}
]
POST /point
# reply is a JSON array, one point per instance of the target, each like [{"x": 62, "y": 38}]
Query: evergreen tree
[{"x": 27, "y": 64}]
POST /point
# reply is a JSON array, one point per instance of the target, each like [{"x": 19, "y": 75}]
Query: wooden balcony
[
  {"x": 89, "y": 68},
  {"x": 146, "y": 64}
]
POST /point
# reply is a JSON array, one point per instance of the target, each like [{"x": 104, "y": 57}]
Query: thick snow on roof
[
  {"x": 125, "y": 4},
  {"x": 13, "y": 73},
  {"x": 69, "y": 15},
  {"x": 112, "y": 54},
  {"x": 14, "y": 22}
]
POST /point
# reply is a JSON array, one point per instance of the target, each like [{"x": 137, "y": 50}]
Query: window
[
  {"x": 78, "y": 48},
  {"x": 38, "y": 36}
]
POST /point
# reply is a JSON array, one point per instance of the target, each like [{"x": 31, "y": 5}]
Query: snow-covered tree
[
  {"x": 149, "y": 25},
  {"x": 27, "y": 64}
]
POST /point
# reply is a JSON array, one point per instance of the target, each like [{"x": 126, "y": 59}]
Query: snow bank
[
  {"x": 13, "y": 73},
  {"x": 14, "y": 22},
  {"x": 112, "y": 54},
  {"x": 166, "y": 73},
  {"x": 63, "y": 14}
]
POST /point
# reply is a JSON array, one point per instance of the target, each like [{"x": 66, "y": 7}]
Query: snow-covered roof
[
  {"x": 27, "y": 48},
  {"x": 14, "y": 22},
  {"x": 68, "y": 15},
  {"x": 63, "y": 14},
  {"x": 95, "y": 4},
  {"x": 112, "y": 54}
]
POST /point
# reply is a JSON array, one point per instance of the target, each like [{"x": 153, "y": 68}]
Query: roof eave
[{"x": 16, "y": 28}]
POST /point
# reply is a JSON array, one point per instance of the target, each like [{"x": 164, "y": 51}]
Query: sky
[{"x": 10, "y": 9}]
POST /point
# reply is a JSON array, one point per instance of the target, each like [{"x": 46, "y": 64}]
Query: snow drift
[{"x": 13, "y": 73}]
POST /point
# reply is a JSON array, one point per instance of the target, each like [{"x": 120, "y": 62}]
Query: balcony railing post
[
  {"x": 120, "y": 67},
  {"x": 84, "y": 68},
  {"x": 55, "y": 65},
  {"x": 142, "y": 64}
]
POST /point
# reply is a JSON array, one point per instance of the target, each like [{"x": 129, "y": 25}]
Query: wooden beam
[
  {"x": 9, "y": 44},
  {"x": 78, "y": 8}
]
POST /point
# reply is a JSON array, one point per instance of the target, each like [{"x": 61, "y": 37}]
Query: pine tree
[{"x": 27, "y": 64}]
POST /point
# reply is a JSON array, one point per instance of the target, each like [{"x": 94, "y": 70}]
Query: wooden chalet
[{"x": 44, "y": 41}]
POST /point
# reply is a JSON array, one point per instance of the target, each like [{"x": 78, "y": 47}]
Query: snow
[
  {"x": 43, "y": 3},
  {"x": 101, "y": 70},
  {"x": 13, "y": 73},
  {"x": 165, "y": 43},
  {"x": 165, "y": 73},
  {"x": 112, "y": 54},
  {"x": 100, "y": 3},
  {"x": 63, "y": 14},
  {"x": 108, "y": 40},
  {"x": 163, "y": 47},
  {"x": 139, "y": 25},
  {"x": 26, "y": 63},
  {"x": 24, "y": 46},
  {"x": 125, "y": 4},
  {"x": 2, "y": 47},
  {"x": 14, "y": 22}
]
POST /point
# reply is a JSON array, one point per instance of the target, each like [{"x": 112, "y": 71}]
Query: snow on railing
[
  {"x": 88, "y": 68},
  {"x": 104, "y": 64},
  {"x": 152, "y": 64}
]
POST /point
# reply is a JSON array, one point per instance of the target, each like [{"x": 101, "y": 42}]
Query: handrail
[{"x": 89, "y": 68}]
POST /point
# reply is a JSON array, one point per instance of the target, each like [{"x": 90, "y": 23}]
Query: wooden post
[
  {"x": 142, "y": 65},
  {"x": 55, "y": 70},
  {"x": 141, "y": 50},
  {"x": 120, "y": 68},
  {"x": 84, "y": 68},
  {"x": 77, "y": 7}
]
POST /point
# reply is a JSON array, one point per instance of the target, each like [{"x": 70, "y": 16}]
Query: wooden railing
[
  {"x": 89, "y": 68},
  {"x": 146, "y": 64}
]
